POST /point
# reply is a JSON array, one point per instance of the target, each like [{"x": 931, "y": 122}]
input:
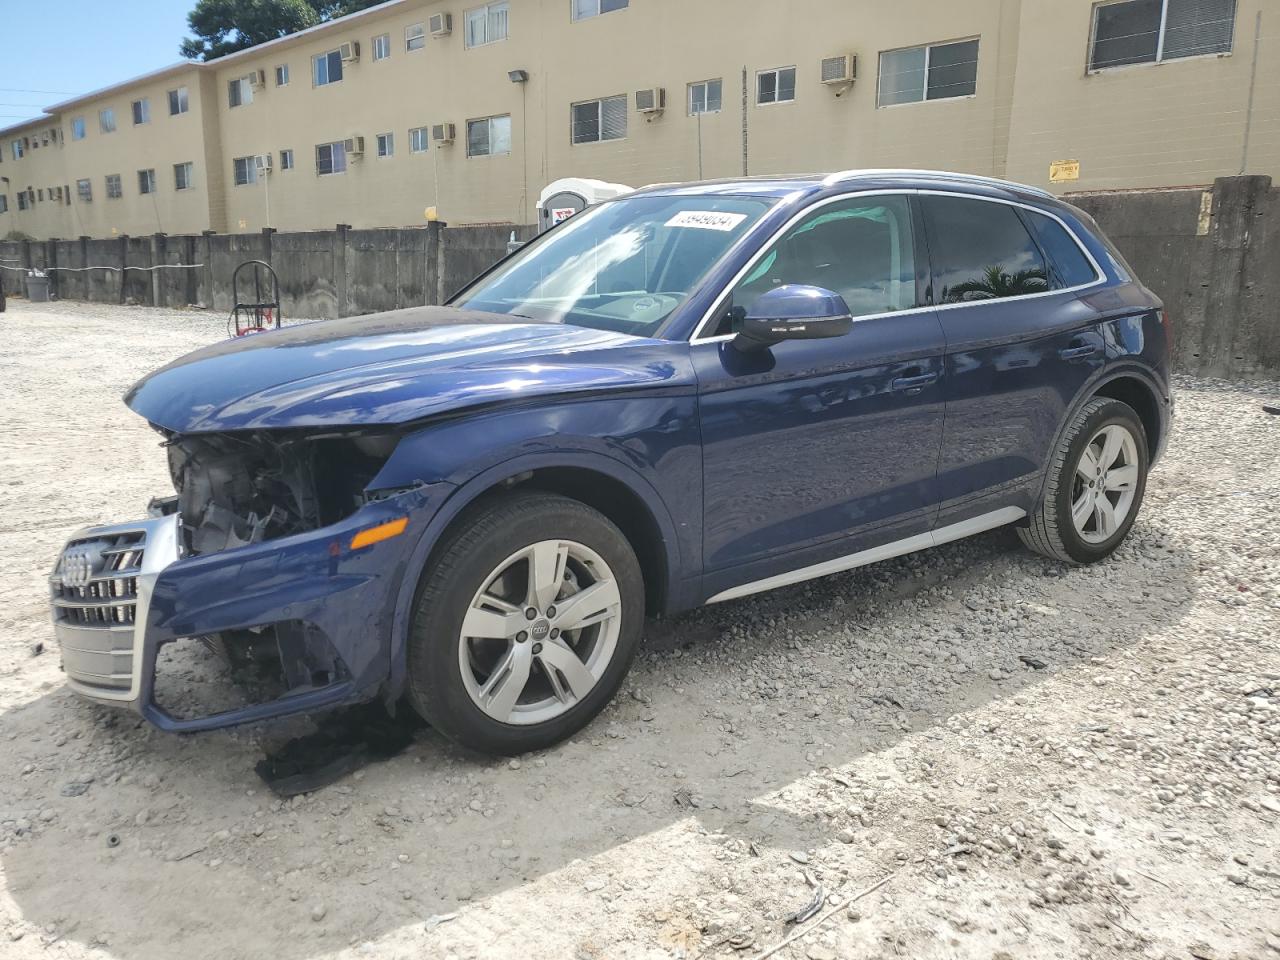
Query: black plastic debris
[
  {"x": 1268, "y": 408},
  {"x": 345, "y": 741},
  {"x": 1035, "y": 663}
]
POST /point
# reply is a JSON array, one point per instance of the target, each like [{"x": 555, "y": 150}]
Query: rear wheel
[
  {"x": 1095, "y": 485},
  {"x": 525, "y": 625}
]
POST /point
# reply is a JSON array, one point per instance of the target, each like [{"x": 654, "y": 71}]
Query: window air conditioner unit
[
  {"x": 349, "y": 52},
  {"x": 653, "y": 100},
  {"x": 440, "y": 24},
  {"x": 258, "y": 78},
  {"x": 841, "y": 69},
  {"x": 442, "y": 132},
  {"x": 262, "y": 162},
  {"x": 354, "y": 146}
]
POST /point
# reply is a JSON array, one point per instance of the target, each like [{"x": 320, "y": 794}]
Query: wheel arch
[
  {"x": 1130, "y": 385},
  {"x": 620, "y": 494},
  {"x": 1131, "y": 389}
]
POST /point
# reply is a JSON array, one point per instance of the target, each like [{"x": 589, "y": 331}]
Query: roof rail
[{"x": 844, "y": 175}]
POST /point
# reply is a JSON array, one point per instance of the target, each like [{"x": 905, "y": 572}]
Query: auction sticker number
[{"x": 706, "y": 220}]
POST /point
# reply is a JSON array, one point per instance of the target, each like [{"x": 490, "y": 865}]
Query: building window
[
  {"x": 776, "y": 86},
  {"x": 382, "y": 46},
  {"x": 17, "y": 149},
  {"x": 582, "y": 9},
  {"x": 146, "y": 181},
  {"x": 244, "y": 171},
  {"x": 239, "y": 91},
  {"x": 107, "y": 120},
  {"x": 84, "y": 190},
  {"x": 178, "y": 101},
  {"x": 331, "y": 158},
  {"x": 182, "y": 175},
  {"x": 597, "y": 120},
  {"x": 326, "y": 68},
  {"x": 77, "y": 128},
  {"x": 1152, "y": 31},
  {"x": 22, "y": 200},
  {"x": 282, "y": 75},
  {"x": 386, "y": 144},
  {"x": 114, "y": 191},
  {"x": 418, "y": 140},
  {"x": 286, "y": 159},
  {"x": 704, "y": 97},
  {"x": 940, "y": 71},
  {"x": 4, "y": 203},
  {"x": 487, "y": 24},
  {"x": 489, "y": 136},
  {"x": 141, "y": 111},
  {"x": 415, "y": 38}
]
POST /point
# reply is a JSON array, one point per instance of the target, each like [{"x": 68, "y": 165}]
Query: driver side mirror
[{"x": 793, "y": 311}]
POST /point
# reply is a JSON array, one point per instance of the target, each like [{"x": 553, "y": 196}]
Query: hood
[{"x": 394, "y": 367}]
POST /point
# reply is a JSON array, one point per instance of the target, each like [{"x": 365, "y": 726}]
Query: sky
[{"x": 70, "y": 47}]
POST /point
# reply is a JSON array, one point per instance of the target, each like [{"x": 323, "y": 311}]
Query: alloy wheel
[
  {"x": 540, "y": 632},
  {"x": 1105, "y": 482}
]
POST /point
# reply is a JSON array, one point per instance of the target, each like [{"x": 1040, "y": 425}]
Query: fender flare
[{"x": 466, "y": 493}]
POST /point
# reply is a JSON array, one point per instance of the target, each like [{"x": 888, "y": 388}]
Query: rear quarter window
[{"x": 1068, "y": 265}]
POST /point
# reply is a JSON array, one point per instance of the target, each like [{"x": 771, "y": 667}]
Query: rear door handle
[
  {"x": 913, "y": 385},
  {"x": 1078, "y": 352}
]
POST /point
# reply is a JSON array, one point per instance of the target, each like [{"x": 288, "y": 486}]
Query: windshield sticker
[{"x": 706, "y": 220}]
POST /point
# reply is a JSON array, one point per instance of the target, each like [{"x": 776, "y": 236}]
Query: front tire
[
  {"x": 1096, "y": 482},
  {"x": 525, "y": 625}
]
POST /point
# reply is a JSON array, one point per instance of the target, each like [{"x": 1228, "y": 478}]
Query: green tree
[
  {"x": 996, "y": 283},
  {"x": 225, "y": 26}
]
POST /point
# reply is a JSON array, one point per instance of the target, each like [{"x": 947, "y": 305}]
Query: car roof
[{"x": 849, "y": 181}]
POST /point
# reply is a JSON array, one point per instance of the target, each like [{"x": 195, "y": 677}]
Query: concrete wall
[
  {"x": 322, "y": 273},
  {"x": 1211, "y": 256}
]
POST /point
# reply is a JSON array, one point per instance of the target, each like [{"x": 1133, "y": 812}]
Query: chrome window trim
[{"x": 1100, "y": 276}]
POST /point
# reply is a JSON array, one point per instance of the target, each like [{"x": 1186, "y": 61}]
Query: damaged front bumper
[{"x": 119, "y": 593}]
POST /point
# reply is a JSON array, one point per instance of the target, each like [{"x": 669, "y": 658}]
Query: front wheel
[
  {"x": 1095, "y": 486},
  {"x": 525, "y": 625}
]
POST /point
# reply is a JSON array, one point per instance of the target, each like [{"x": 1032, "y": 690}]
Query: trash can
[{"x": 37, "y": 287}]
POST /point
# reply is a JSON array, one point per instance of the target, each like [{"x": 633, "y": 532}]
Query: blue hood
[{"x": 395, "y": 367}]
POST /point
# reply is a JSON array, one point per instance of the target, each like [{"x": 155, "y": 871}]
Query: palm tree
[{"x": 995, "y": 283}]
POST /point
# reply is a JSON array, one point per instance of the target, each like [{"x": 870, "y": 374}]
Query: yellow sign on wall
[{"x": 1061, "y": 170}]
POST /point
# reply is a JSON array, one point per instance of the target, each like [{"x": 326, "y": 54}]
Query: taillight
[{"x": 1168, "y": 329}]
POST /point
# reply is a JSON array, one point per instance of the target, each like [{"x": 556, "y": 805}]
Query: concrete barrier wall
[
  {"x": 1212, "y": 254},
  {"x": 323, "y": 273}
]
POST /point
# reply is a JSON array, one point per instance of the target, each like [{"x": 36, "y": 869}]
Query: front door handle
[
  {"x": 913, "y": 385},
  {"x": 1078, "y": 352}
]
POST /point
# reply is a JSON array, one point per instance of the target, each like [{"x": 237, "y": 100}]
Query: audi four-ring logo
[{"x": 77, "y": 566}]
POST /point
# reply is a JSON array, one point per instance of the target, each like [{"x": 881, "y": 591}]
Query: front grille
[
  {"x": 95, "y": 615},
  {"x": 99, "y": 591}
]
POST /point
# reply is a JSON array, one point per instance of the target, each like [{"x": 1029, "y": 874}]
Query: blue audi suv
[{"x": 682, "y": 396}]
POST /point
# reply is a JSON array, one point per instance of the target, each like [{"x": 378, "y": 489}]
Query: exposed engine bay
[{"x": 240, "y": 488}]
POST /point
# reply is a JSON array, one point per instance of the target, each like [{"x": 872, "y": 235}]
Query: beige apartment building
[{"x": 471, "y": 108}]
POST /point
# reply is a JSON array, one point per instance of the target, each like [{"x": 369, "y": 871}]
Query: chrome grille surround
[{"x": 100, "y": 591}]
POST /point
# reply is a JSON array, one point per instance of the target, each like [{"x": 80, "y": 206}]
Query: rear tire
[
  {"x": 1097, "y": 478},
  {"x": 502, "y": 658}
]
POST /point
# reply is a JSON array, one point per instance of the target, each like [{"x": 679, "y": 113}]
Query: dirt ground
[{"x": 1022, "y": 759}]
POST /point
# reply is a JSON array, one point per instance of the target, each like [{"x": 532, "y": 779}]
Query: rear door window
[
  {"x": 980, "y": 251},
  {"x": 1068, "y": 266}
]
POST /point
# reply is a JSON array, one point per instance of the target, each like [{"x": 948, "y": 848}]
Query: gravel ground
[{"x": 1023, "y": 759}]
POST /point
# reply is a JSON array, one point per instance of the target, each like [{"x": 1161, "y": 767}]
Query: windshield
[{"x": 622, "y": 266}]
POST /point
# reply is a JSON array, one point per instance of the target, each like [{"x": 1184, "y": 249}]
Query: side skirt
[{"x": 921, "y": 541}]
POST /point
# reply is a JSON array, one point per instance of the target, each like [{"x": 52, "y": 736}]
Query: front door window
[{"x": 861, "y": 248}]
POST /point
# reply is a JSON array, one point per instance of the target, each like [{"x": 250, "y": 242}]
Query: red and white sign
[{"x": 559, "y": 214}]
